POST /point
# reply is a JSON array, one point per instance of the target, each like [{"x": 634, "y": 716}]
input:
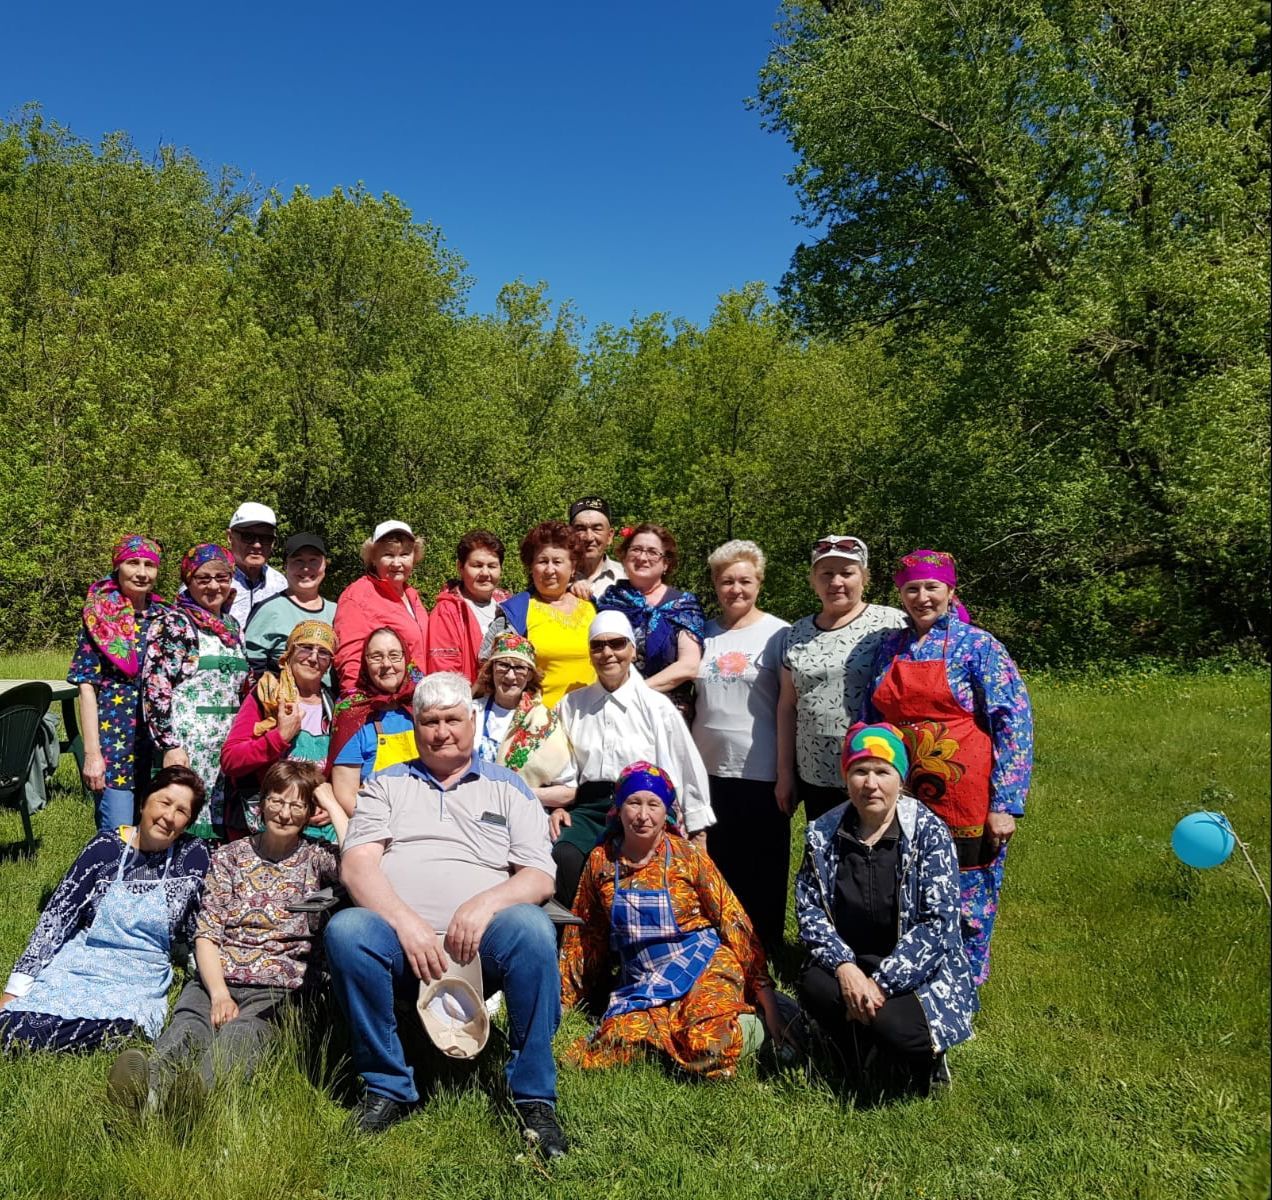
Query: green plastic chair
[{"x": 21, "y": 711}]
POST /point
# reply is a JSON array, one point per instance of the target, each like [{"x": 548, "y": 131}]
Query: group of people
[{"x": 592, "y": 740}]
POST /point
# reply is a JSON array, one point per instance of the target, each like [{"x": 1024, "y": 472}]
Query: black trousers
[
  {"x": 899, "y": 1032},
  {"x": 817, "y": 800},
  {"x": 751, "y": 844},
  {"x": 570, "y": 861}
]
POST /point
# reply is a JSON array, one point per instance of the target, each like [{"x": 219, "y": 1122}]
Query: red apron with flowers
[{"x": 951, "y": 755}]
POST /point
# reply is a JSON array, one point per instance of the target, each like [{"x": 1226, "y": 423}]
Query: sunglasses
[
  {"x": 849, "y": 545},
  {"x": 600, "y": 644}
]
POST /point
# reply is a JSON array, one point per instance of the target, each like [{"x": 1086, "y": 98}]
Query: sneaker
[
  {"x": 128, "y": 1081},
  {"x": 540, "y": 1129},
  {"x": 375, "y": 1113}
]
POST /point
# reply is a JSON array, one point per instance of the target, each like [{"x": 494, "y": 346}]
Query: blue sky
[{"x": 603, "y": 148}]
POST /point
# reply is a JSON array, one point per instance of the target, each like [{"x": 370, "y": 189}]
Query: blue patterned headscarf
[
  {"x": 644, "y": 777},
  {"x": 657, "y": 628}
]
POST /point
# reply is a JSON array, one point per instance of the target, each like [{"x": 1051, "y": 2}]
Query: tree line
[{"x": 1032, "y": 330}]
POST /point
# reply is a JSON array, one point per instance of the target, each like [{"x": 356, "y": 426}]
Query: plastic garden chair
[{"x": 21, "y": 711}]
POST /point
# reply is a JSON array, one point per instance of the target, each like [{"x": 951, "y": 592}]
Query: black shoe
[
  {"x": 375, "y": 1113},
  {"x": 128, "y": 1082},
  {"x": 540, "y": 1129},
  {"x": 940, "y": 1080}
]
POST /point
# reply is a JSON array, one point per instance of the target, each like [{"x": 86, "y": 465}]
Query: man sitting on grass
[{"x": 448, "y": 858}]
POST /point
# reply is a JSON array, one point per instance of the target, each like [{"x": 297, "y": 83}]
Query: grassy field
[{"x": 1122, "y": 1050}]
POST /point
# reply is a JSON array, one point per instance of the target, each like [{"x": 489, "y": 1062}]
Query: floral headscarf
[
  {"x": 108, "y": 614},
  {"x": 644, "y": 777},
  {"x": 222, "y": 624},
  {"x": 931, "y": 564}
]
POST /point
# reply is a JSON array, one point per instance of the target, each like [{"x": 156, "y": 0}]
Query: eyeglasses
[
  {"x": 851, "y": 545},
  {"x": 601, "y": 644},
  {"x": 392, "y": 658},
  {"x": 222, "y": 580},
  {"x": 511, "y": 668},
  {"x": 642, "y": 552},
  {"x": 323, "y": 657},
  {"x": 279, "y": 805}
]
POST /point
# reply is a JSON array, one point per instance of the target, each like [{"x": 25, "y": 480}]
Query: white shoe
[{"x": 494, "y": 1004}]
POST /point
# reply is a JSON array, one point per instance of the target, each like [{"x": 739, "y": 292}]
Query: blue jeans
[
  {"x": 518, "y": 955},
  {"x": 114, "y": 808}
]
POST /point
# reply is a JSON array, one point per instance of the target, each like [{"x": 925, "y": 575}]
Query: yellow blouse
[{"x": 560, "y": 647}]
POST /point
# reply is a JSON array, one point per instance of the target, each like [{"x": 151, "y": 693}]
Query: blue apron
[
  {"x": 118, "y": 969},
  {"x": 660, "y": 963}
]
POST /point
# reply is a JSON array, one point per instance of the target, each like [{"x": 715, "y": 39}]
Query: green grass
[{"x": 1122, "y": 1050}]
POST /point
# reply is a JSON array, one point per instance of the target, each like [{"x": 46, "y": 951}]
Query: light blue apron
[
  {"x": 660, "y": 963},
  {"x": 118, "y": 969}
]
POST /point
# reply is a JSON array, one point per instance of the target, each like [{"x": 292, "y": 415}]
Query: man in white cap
[
  {"x": 613, "y": 722},
  {"x": 448, "y": 860},
  {"x": 253, "y": 528}
]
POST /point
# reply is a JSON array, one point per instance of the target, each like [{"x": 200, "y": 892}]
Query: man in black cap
[
  {"x": 590, "y": 519},
  {"x": 271, "y": 623}
]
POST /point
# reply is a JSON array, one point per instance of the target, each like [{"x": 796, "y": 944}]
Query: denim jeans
[
  {"x": 518, "y": 955},
  {"x": 114, "y": 808}
]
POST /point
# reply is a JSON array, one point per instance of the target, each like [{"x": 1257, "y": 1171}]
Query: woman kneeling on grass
[
  {"x": 657, "y": 913},
  {"x": 878, "y": 900},
  {"x": 254, "y": 956},
  {"x": 97, "y": 966}
]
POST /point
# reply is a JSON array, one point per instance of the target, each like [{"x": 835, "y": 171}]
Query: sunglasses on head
[{"x": 850, "y": 545}]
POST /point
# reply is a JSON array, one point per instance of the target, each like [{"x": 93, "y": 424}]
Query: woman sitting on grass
[
  {"x": 97, "y": 966},
  {"x": 657, "y": 914},
  {"x": 877, "y": 902},
  {"x": 255, "y": 958}
]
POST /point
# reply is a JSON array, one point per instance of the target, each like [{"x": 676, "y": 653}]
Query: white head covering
[{"x": 611, "y": 623}]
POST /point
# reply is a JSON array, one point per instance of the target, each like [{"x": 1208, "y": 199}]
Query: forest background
[{"x": 1029, "y": 324}]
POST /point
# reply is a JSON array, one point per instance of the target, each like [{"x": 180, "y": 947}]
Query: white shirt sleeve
[{"x": 676, "y": 753}]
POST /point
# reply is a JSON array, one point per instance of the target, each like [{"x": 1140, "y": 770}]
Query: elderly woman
[
  {"x": 270, "y": 625},
  {"x": 735, "y": 730},
  {"x": 514, "y": 727},
  {"x": 286, "y": 716},
  {"x": 466, "y": 607},
  {"x": 382, "y": 598},
  {"x": 373, "y": 726},
  {"x": 956, "y": 693},
  {"x": 97, "y": 966},
  {"x": 548, "y": 613},
  {"x": 825, "y": 675},
  {"x": 107, "y": 668},
  {"x": 615, "y": 721},
  {"x": 255, "y": 957},
  {"x": 192, "y": 677},
  {"x": 877, "y": 902},
  {"x": 668, "y": 623},
  {"x": 658, "y": 914}
]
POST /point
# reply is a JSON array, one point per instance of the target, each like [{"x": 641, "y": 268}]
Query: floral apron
[
  {"x": 660, "y": 963},
  {"x": 203, "y": 709},
  {"x": 118, "y": 969},
  {"x": 951, "y": 761}
]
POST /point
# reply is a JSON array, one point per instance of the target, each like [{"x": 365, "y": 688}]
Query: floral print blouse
[{"x": 985, "y": 681}]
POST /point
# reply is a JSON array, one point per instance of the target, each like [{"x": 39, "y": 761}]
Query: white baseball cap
[
  {"x": 453, "y": 1011},
  {"x": 252, "y": 513},
  {"x": 384, "y": 528}
]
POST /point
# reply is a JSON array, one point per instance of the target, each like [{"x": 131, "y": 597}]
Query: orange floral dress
[{"x": 699, "y": 1032}]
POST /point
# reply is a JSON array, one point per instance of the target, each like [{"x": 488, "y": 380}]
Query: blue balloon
[{"x": 1203, "y": 840}]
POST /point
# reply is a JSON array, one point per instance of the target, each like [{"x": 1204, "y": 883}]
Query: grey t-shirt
[
  {"x": 831, "y": 671},
  {"x": 443, "y": 846},
  {"x": 735, "y": 719}
]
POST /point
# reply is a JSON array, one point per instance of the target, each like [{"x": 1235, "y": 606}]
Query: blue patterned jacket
[{"x": 928, "y": 959}]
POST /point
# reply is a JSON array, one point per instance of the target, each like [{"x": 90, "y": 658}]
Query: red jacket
[
  {"x": 366, "y": 605},
  {"x": 454, "y": 636}
]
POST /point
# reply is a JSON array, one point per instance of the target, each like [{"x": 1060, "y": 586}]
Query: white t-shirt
[
  {"x": 492, "y": 721},
  {"x": 485, "y": 613},
  {"x": 735, "y": 722},
  {"x": 831, "y": 672}
]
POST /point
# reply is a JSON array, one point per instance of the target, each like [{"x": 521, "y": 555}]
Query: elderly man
[
  {"x": 615, "y": 721},
  {"x": 595, "y": 570},
  {"x": 447, "y": 858},
  {"x": 252, "y": 530}
]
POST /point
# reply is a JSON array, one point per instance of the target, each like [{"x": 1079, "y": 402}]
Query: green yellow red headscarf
[{"x": 882, "y": 741}]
